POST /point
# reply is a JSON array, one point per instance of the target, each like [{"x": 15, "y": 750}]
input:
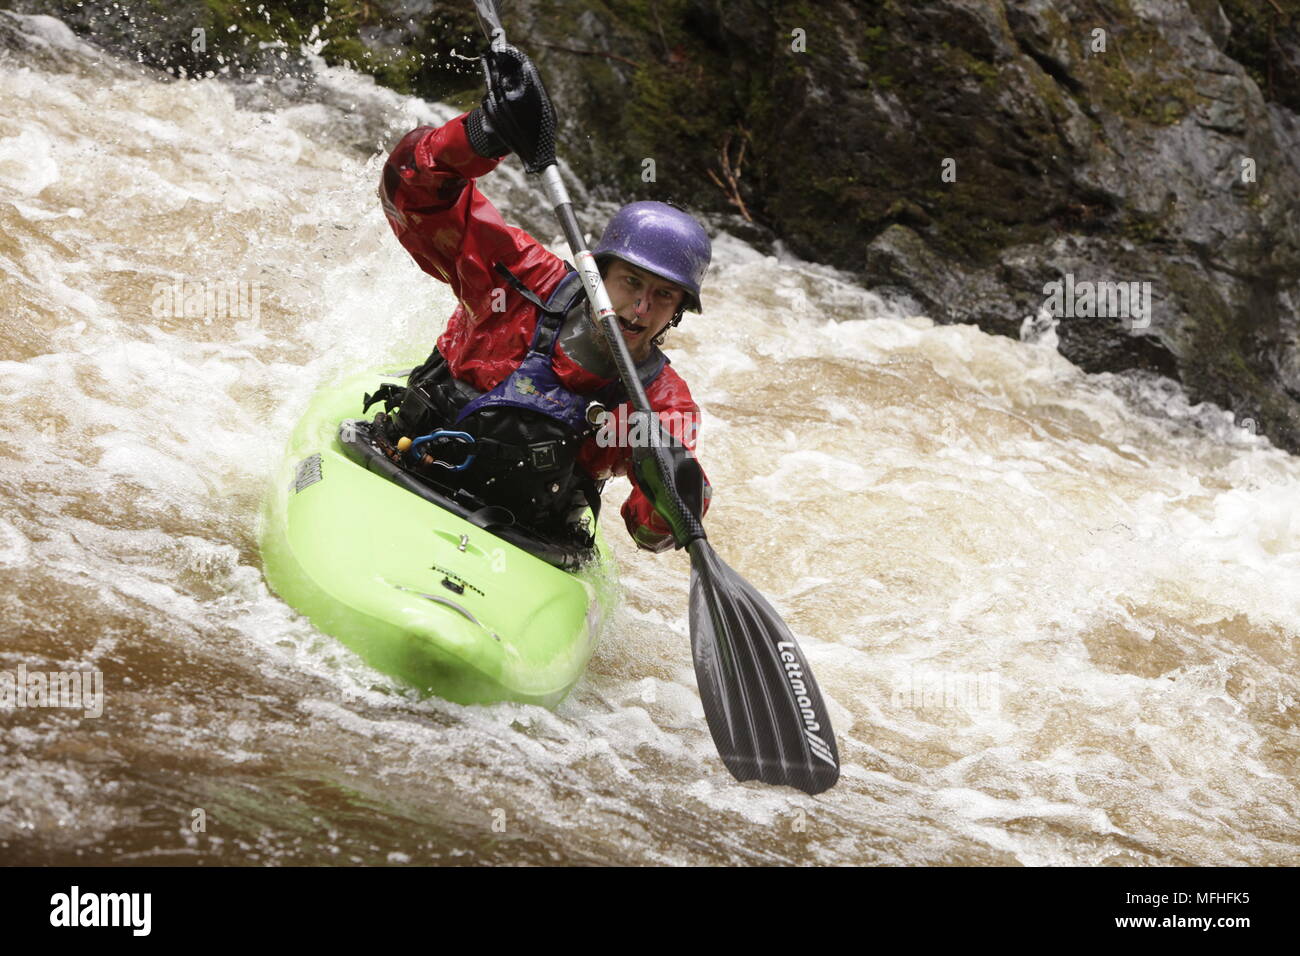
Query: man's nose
[{"x": 642, "y": 305}]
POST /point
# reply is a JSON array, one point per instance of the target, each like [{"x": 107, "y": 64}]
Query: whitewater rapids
[{"x": 1054, "y": 614}]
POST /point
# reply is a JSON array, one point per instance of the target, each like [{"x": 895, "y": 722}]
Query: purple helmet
[{"x": 661, "y": 239}]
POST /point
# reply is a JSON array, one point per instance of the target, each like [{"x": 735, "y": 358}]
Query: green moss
[
  {"x": 955, "y": 63},
  {"x": 1128, "y": 81},
  {"x": 1142, "y": 229},
  {"x": 421, "y": 64},
  {"x": 1261, "y": 33},
  {"x": 882, "y": 55}
]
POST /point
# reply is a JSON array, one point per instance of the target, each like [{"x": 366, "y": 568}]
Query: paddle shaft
[
  {"x": 490, "y": 21},
  {"x": 596, "y": 292}
]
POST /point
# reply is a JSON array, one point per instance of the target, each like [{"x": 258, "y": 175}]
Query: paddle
[{"x": 760, "y": 699}]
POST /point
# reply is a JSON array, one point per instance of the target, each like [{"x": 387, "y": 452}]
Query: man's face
[{"x": 644, "y": 302}]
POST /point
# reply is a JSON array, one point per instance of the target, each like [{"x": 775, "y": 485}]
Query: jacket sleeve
[
  {"x": 450, "y": 229},
  {"x": 680, "y": 416}
]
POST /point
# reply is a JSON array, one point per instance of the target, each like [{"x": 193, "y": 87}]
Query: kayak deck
[{"x": 417, "y": 591}]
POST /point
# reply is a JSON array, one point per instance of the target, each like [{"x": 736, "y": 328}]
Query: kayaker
[{"x": 530, "y": 451}]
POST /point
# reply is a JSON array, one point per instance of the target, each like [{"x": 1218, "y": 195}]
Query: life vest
[{"x": 515, "y": 446}]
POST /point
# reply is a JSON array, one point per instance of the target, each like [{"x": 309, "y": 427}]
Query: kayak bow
[{"x": 418, "y": 591}]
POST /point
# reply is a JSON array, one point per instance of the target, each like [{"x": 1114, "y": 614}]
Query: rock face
[
  {"x": 960, "y": 153},
  {"x": 1103, "y": 140}
]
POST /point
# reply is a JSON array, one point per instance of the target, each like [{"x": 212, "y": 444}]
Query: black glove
[
  {"x": 665, "y": 455},
  {"x": 516, "y": 113},
  {"x": 482, "y": 137}
]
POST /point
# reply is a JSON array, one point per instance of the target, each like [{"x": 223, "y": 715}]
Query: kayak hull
[{"x": 415, "y": 590}]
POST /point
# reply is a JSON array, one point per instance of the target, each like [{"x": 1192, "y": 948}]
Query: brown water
[{"x": 1054, "y": 614}]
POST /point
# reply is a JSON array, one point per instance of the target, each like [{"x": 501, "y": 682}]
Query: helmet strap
[{"x": 676, "y": 320}]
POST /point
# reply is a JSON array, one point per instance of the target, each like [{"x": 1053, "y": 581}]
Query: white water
[{"x": 1103, "y": 579}]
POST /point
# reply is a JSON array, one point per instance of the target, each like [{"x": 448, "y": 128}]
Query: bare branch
[{"x": 731, "y": 170}]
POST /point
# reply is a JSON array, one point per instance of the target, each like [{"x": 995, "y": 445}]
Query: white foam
[
  {"x": 27, "y": 163},
  {"x": 917, "y": 499},
  {"x": 15, "y": 549}
]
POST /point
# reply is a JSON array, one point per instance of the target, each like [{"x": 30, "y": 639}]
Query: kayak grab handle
[{"x": 442, "y": 435}]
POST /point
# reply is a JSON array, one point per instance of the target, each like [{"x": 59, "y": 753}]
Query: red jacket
[{"x": 456, "y": 235}]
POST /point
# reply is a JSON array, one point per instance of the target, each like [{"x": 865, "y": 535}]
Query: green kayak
[{"x": 415, "y": 582}]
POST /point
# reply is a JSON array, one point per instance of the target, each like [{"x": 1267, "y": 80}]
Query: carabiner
[{"x": 464, "y": 438}]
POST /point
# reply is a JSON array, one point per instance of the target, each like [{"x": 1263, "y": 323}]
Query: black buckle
[{"x": 544, "y": 455}]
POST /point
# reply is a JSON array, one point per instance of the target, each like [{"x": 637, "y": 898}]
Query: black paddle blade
[{"x": 763, "y": 707}]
